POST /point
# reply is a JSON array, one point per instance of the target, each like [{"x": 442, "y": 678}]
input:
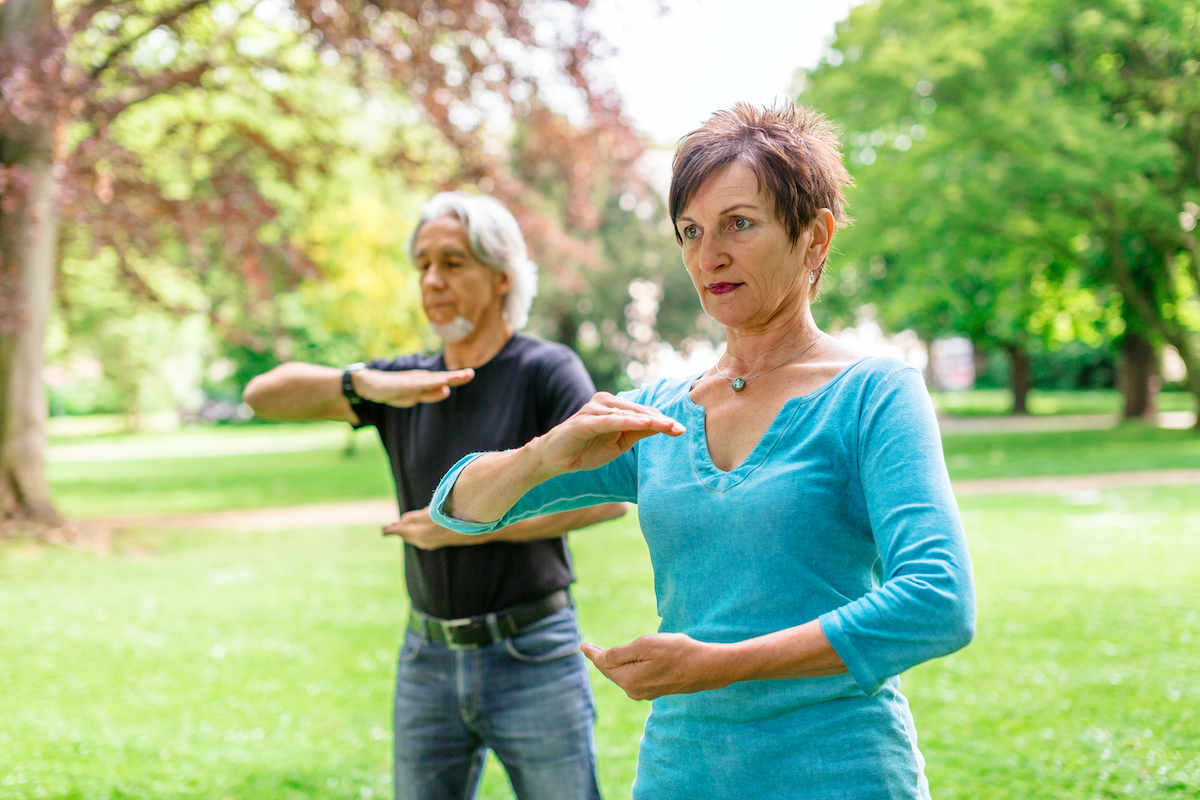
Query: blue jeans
[{"x": 527, "y": 699}]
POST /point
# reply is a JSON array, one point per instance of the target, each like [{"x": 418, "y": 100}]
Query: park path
[
  {"x": 332, "y": 437},
  {"x": 381, "y": 512}
]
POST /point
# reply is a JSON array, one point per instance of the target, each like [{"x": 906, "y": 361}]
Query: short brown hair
[{"x": 792, "y": 150}]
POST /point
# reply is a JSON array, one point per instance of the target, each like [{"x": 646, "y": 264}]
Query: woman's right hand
[{"x": 603, "y": 429}]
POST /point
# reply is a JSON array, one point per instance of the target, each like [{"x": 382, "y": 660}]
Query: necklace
[{"x": 737, "y": 384}]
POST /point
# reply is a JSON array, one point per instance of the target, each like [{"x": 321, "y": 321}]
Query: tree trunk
[
  {"x": 1139, "y": 377},
  {"x": 1191, "y": 361},
  {"x": 28, "y": 239},
  {"x": 1018, "y": 377}
]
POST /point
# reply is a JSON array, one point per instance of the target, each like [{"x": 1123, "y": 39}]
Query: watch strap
[{"x": 348, "y": 390}]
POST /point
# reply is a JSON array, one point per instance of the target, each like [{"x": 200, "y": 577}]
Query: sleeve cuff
[
  {"x": 442, "y": 494},
  {"x": 844, "y": 647}
]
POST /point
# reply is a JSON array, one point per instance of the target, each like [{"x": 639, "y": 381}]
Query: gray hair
[{"x": 495, "y": 240}]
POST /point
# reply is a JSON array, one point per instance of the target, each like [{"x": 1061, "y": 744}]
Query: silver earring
[{"x": 812, "y": 276}]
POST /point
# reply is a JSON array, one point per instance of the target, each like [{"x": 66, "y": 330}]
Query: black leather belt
[{"x": 487, "y": 628}]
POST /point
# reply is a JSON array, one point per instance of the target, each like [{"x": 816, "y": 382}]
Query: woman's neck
[{"x": 750, "y": 351}]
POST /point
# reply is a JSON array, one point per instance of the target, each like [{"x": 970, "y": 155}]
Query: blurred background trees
[
  {"x": 198, "y": 189},
  {"x": 192, "y": 191},
  {"x": 1028, "y": 177}
]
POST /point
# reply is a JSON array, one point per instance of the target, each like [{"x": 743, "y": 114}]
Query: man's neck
[{"x": 477, "y": 349}]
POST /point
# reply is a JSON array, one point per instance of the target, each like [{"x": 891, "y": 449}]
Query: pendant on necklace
[{"x": 738, "y": 384}]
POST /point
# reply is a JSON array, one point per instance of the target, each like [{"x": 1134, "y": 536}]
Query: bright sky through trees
[{"x": 676, "y": 66}]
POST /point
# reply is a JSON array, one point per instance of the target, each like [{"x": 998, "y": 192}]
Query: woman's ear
[{"x": 822, "y": 238}]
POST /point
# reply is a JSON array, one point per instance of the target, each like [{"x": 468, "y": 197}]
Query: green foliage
[
  {"x": 636, "y": 298},
  {"x": 257, "y": 166},
  {"x": 951, "y": 235},
  {"x": 147, "y": 357},
  {"x": 1024, "y": 169},
  {"x": 1069, "y": 366},
  {"x": 313, "y": 270}
]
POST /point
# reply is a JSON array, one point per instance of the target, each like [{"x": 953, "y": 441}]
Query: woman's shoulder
[
  {"x": 868, "y": 376},
  {"x": 882, "y": 367},
  {"x": 663, "y": 392}
]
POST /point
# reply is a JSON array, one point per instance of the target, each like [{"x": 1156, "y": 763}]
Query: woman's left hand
[{"x": 661, "y": 663}]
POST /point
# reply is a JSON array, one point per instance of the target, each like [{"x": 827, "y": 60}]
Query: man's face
[{"x": 460, "y": 294}]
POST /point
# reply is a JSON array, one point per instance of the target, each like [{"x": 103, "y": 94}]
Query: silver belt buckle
[{"x": 451, "y": 625}]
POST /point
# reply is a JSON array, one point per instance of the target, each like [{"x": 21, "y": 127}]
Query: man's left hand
[{"x": 418, "y": 529}]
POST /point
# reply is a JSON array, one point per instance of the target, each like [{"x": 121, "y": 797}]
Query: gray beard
[{"x": 454, "y": 331}]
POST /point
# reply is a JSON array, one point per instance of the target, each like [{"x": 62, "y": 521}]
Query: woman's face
[{"x": 738, "y": 255}]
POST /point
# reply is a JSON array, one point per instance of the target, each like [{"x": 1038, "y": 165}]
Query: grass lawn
[
  {"x": 997, "y": 402},
  {"x": 89, "y": 490},
  {"x": 128, "y": 488},
  {"x": 1128, "y": 447},
  {"x": 210, "y": 665}
]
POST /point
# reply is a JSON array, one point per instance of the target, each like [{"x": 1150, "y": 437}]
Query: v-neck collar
[{"x": 720, "y": 480}]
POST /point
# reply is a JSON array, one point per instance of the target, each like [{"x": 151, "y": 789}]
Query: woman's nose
[{"x": 712, "y": 253}]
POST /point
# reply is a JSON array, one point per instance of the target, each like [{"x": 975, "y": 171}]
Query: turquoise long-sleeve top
[{"x": 843, "y": 513}]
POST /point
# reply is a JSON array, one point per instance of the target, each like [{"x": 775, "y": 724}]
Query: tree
[
  {"x": 990, "y": 140},
  {"x": 28, "y": 233},
  {"x": 446, "y": 77}
]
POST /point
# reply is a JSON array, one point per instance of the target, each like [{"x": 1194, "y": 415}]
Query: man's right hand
[
  {"x": 408, "y": 387},
  {"x": 296, "y": 391}
]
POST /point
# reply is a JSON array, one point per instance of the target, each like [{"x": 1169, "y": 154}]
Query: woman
[{"x": 805, "y": 542}]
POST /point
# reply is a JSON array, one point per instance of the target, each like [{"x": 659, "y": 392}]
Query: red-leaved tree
[{"x": 462, "y": 70}]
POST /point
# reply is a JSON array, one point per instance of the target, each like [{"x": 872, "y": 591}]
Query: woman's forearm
[
  {"x": 493, "y": 483},
  {"x": 600, "y": 432},
  {"x": 799, "y": 652},
  {"x": 550, "y": 526},
  {"x": 674, "y": 663}
]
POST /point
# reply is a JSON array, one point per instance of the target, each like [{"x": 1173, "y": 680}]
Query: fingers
[
  {"x": 618, "y": 670},
  {"x": 595, "y": 654},
  {"x": 613, "y": 656},
  {"x": 439, "y": 384},
  {"x": 622, "y": 414},
  {"x": 393, "y": 528},
  {"x": 625, "y": 653}
]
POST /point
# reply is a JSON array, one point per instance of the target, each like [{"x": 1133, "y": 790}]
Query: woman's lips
[{"x": 722, "y": 288}]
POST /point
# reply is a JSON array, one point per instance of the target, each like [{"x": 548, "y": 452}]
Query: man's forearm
[
  {"x": 298, "y": 391},
  {"x": 552, "y": 526}
]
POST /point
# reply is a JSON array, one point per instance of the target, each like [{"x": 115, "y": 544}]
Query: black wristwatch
[{"x": 348, "y": 383}]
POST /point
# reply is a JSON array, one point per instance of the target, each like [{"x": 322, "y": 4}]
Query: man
[{"x": 490, "y": 658}]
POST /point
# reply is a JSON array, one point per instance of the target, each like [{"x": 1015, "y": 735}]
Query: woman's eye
[
  {"x": 741, "y": 224},
  {"x": 691, "y": 232}
]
